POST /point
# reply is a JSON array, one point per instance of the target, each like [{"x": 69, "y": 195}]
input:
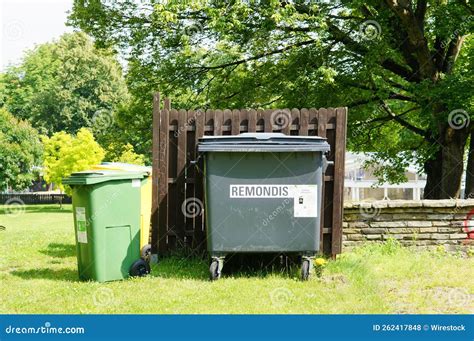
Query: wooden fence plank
[
  {"x": 218, "y": 118},
  {"x": 252, "y": 118},
  {"x": 173, "y": 206},
  {"x": 322, "y": 117},
  {"x": 156, "y": 149},
  {"x": 162, "y": 179},
  {"x": 294, "y": 127},
  {"x": 339, "y": 159},
  {"x": 235, "y": 122},
  {"x": 304, "y": 122},
  {"x": 180, "y": 175},
  {"x": 199, "y": 241},
  {"x": 268, "y": 116}
]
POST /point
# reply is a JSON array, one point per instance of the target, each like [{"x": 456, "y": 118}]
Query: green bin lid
[
  {"x": 262, "y": 142},
  {"x": 92, "y": 177}
]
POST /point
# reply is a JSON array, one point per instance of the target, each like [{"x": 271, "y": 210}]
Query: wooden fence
[
  {"x": 176, "y": 182},
  {"x": 34, "y": 198}
]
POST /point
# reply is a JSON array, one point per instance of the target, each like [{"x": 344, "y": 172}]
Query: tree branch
[
  {"x": 256, "y": 57},
  {"x": 402, "y": 122}
]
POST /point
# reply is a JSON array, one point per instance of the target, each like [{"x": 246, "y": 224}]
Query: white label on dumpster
[
  {"x": 305, "y": 196},
  {"x": 136, "y": 183},
  {"x": 305, "y": 201},
  {"x": 81, "y": 225}
]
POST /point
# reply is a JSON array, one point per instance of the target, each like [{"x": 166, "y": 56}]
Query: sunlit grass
[{"x": 38, "y": 275}]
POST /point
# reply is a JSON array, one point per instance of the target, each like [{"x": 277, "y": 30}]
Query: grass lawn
[{"x": 38, "y": 275}]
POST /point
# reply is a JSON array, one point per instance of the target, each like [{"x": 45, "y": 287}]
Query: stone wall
[{"x": 422, "y": 223}]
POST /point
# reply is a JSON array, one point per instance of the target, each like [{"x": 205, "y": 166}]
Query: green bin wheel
[
  {"x": 146, "y": 252},
  {"x": 140, "y": 268},
  {"x": 214, "y": 271},
  {"x": 305, "y": 267}
]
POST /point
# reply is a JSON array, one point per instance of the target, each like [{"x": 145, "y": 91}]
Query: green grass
[{"x": 38, "y": 275}]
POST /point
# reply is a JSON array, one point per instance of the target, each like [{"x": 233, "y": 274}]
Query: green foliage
[
  {"x": 127, "y": 155},
  {"x": 65, "y": 154},
  {"x": 359, "y": 54},
  {"x": 65, "y": 85},
  {"x": 20, "y": 151}
]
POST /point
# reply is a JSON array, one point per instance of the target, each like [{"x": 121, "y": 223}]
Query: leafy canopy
[
  {"x": 65, "y": 154},
  {"x": 20, "y": 151},
  {"x": 400, "y": 66},
  {"x": 65, "y": 85}
]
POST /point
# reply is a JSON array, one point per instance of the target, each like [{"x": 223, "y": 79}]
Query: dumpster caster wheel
[
  {"x": 140, "y": 268},
  {"x": 215, "y": 269},
  {"x": 146, "y": 252},
  {"x": 305, "y": 267}
]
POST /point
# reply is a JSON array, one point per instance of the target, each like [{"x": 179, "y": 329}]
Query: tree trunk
[
  {"x": 469, "y": 191},
  {"x": 444, "y": 170},
  {"x": 433, "y": 174}
]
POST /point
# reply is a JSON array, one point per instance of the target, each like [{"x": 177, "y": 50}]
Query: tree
[
  {"x": 20, "y": 151},
  {"x": 65, "y": 154},
  {"x": 65, "y": 85},
  {"x": 400, "y": 66},
  {"x": 124, "y": 153}
]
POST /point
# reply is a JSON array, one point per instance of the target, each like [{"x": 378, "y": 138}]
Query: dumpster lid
[
  {"x": 90, "y": 177},
  {"x": 258, "y": 142},
  {"x": 121, "y": 166}
]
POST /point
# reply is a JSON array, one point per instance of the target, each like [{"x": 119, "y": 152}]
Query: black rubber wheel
[
  {"x": 146, "y": 252},
  {"x": 140, "y": 268},
  {"x": 214, "y": 274},
  {"x": 305, "y": 270}
]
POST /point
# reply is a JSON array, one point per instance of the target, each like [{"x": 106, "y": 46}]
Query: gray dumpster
[{"x": 263, "y": 194}]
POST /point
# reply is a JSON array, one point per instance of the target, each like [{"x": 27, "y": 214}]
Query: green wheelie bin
[{"x": 106, "y": 207}]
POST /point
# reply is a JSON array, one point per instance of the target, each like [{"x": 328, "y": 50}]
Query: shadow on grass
[
  {"x": 46, "y": 273},
  {"x": 235, "y": 265},
  {"x": 40, "y": 209},
  {"x": 59, "y": 250}
]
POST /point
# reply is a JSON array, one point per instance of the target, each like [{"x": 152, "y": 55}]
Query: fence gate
[{"x": 177, "y": 205}]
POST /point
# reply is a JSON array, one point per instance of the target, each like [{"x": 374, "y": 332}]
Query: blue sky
[{"x": 25, "y": 23}]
